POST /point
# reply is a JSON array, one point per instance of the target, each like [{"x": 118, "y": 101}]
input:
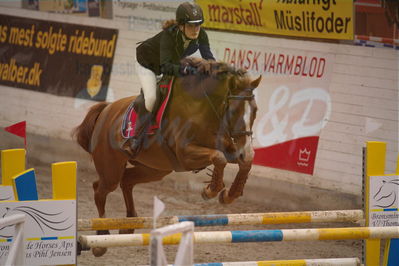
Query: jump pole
[
  {"x": 94, "y": 224},
  {"x": 246, "y": 236},
  {"x": 306, "y": 262}
]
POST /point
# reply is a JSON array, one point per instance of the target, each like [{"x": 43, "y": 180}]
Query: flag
[
  {"x": 18, "y": 129},
  {"x": 159, "y": 206}
]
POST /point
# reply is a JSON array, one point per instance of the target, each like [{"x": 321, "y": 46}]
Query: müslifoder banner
[{"x": 329, "y": 19}]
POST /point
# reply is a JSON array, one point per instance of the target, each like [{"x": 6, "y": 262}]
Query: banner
[
  {"x": 144, "y": 16},
  {"x": 330, "y": 19},
  {"x": 65, "y": 6},
  {"x": 58, "y": 58},
  {"x": 50, "y": 231},
  {"x": 293, "y": 102},
  {"x": 383, "y": 200}
]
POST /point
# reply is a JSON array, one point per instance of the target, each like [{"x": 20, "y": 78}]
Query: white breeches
[{"x": 148, "y": 82}]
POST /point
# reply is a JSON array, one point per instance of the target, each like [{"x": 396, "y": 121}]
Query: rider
[{"x": 162, "y": 53}]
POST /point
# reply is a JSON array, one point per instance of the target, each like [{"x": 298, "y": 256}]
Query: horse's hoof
[
  {"x": 224, "y": 197},
  {"x": 98, "y": 252},
  {"x": 204, "y": 195},
  {"x": 126, "y": 231},
  {"x": 208, "y": 194}
]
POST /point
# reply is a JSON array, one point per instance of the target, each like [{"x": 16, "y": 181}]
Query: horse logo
[
  {"x": 387, "y": 194},
  {"x": 44, "y": 221}
]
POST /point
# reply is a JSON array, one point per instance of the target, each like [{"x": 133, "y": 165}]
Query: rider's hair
[{"x": 168, "y": 23}]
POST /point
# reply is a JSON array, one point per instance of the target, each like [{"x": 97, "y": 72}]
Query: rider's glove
[{"x": 188, "y": 70}]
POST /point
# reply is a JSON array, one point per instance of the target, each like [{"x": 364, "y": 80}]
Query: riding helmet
[{"x": 189, "y": 13}]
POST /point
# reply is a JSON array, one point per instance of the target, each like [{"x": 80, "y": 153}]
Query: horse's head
[
  {"x": 226, "y": 94},
  {"x": 240, "y": 114}
]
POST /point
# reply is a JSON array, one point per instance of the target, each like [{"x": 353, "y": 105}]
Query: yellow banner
[{"x": 329, "y": 19}]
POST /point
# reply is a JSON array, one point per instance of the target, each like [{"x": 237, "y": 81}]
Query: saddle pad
[{"x": 130, "y": 116}]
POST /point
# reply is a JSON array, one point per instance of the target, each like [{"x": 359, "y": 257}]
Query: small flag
[
  {"x": 159, "y": 206},
  {"x": 18, "y": 129}
]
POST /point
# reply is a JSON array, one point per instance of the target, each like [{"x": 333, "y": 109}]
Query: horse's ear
[{"x": 255, "y": 83}]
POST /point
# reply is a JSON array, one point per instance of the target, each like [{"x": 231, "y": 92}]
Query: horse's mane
[
  {"x": 216, "y": 68},
  {"x": 218, "y": 72}
]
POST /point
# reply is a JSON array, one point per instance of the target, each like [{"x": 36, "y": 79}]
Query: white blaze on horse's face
[
  {"x": 242, "y": 127},
  {"x": 244, "y": 110},
  {"x": 248, "y": 151},
  {"x": 247, "y": 116}
]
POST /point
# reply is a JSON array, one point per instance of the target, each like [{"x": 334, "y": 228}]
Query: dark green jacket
[{"x": 163, "y": 52}]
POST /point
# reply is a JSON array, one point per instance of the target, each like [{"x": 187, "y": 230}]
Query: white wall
[{"x": 364, "y": 92}]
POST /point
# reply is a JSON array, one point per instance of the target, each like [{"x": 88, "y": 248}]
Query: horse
[{"x": 208, "y": 121}]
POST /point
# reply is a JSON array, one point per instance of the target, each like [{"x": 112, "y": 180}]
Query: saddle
[{"x": 164, "y": 88}]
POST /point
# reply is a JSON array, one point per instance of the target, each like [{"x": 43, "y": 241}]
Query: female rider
[{"x": 162, "y": 53}]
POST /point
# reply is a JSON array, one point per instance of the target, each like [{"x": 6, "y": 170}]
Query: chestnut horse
[{"x": 208, "y": 121}]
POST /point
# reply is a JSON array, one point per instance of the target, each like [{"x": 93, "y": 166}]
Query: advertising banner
[
  {"x": 58, "y": 58},
  {"x": 293, "y": 102},
  {"x": 383, "y": 200},
  {"x": 50, "y": 231},
  {"x": 144, "y": 16},
  {"x": 64, "y": 6},
  {"x": 331, "y": 19}
]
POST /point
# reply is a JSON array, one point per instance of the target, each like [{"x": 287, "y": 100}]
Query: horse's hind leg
[
  {"x": 110, "y": 170},
  {"x": 132, "y": 176}
]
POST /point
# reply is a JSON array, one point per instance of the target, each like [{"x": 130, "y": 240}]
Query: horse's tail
[{"x": 83, "y": 132}]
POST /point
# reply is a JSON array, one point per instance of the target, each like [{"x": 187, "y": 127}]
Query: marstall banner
[
  {"x": 330, "y": 19},
  {"x": 58, "y": 58},
  {"x": 293, "y": 103}
]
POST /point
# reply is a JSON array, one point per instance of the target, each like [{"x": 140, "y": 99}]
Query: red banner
[{"x": 295, "y": 155}]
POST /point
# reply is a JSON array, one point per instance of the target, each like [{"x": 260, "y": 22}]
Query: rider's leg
[
  {"x": 144, "y": 110},
  {"x": 148, "y": 82},
  {"x": 142, "y": 124}
]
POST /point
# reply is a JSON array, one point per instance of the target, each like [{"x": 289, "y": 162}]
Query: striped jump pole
[
  {"x": 308, "y": 262},
  {"x": 90, "y": 241},
  {"x": 223, "y": 219}
]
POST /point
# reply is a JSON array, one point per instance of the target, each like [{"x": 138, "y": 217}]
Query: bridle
[
  {"x": 239, "y": 97},
  {"x": 226, "y": 126}
]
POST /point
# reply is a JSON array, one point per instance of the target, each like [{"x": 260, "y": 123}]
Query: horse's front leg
[
  {"x": 236, "y": 190},
  {"x": 195, "y": 157},
  {"x": 216, "y": 185}
]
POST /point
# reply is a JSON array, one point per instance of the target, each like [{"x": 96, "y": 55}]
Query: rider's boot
[{"x": 142, "y": 124}]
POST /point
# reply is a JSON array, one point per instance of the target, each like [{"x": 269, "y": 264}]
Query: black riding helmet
[{"x": 189, "y": 13}]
